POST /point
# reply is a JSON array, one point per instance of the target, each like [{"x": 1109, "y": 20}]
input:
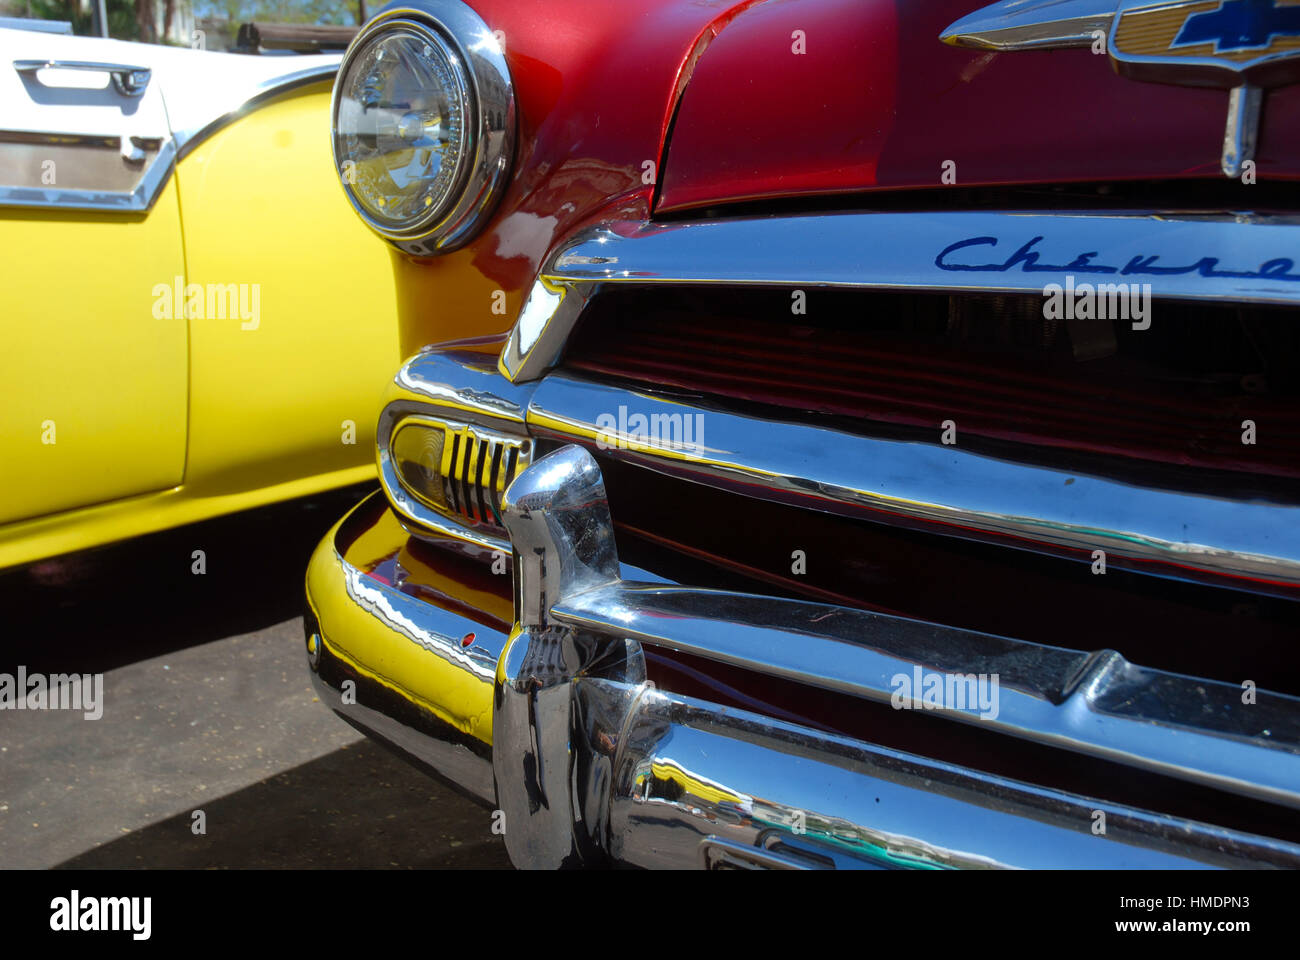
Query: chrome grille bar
[
  {"x": 591, "y": 762},
  {"x": 1096, "y": 703},
  {"x": 1183, "y": 256},
  {"x": 943, "y": 489}
]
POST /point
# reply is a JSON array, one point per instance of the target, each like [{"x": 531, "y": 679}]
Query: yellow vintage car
[{"x": 183, "y": 299}]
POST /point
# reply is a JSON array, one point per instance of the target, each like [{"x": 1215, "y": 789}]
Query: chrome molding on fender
[
  {"x": 114, "y": 148},
  {"x": 1215, "y": 257},
  {"x": 191, "y": 126},
  {"x": 1032, "y": 25}
]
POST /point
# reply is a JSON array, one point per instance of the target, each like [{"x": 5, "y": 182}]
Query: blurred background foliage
[{"x": 171, "y": 21}]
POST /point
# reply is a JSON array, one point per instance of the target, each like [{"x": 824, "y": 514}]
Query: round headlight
[
  {"x": 423, "y": 121},
  {"x": 401, "y": 121}
]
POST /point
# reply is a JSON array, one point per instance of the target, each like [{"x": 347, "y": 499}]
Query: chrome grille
[{"x": 476, "y": 470}]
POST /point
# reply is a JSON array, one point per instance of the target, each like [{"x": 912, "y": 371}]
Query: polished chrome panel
[
  {"x": 1032, "y": 24},
  {"x": 132, "y": 175},
  {"x": 128, "y": 80},
  {"x": 1238, "y": 257},
  {"x": 478, "y": 54},
  {"x": 688, "y": 772},
  {"x": 1094, "y": 703},
  {"x": 559, "y": 522},
  {"x": 944, "y": 489},
  {"x": 461, "y": 389},
  {"x": 391, "y": 644}
]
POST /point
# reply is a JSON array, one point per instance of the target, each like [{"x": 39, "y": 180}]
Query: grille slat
[
  {"x": 476, "y": 466},
  {"x": 1176, "y": 394}
]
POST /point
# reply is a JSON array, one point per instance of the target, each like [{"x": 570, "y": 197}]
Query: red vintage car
[{"x": 836, "y": 432}]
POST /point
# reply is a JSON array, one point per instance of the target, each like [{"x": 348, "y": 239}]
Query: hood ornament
[{"x": 1244, "y": 46}]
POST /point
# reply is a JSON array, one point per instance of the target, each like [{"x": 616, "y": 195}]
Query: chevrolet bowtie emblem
[{"x": 1245, "y": 46}]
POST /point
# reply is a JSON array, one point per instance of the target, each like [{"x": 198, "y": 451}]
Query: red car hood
[{"x": 876, "y": 101}]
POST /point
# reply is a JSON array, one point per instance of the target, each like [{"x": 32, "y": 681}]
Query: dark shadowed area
[{"x": 207, "y": 707}]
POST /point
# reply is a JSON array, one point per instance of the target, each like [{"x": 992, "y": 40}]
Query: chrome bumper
[{"x": 557, "y": 727}]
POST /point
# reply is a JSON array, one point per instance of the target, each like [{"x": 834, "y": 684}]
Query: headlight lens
[
  {"x": 423, "y": 124},
  {"x": 399, "y": 135}
]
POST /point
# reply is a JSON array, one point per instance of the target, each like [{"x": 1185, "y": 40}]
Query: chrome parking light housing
[{"x": 427, "y": 180}]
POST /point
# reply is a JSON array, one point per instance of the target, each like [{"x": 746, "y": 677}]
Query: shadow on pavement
[
  {"x": 99, "y": 609},
  {"x": 356, "y": 807}
]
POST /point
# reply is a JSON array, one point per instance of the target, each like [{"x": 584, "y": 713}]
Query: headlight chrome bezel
[{"x": 488, "y": 124}]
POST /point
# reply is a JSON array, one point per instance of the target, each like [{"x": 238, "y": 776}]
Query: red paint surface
[
  {"x": 878, "y": 102},
  {"x": 595, "y": 85}
]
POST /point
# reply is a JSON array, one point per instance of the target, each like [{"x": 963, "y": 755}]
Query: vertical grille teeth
[
  {"x": 449, "y": 473},
  {"x": 477, "y": 468},
  {"x": 469, "y": 476},
  {"x": 491, "y": 473}
]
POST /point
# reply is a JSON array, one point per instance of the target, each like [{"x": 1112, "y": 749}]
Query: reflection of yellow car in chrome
[{"x": 181, "y": 291}]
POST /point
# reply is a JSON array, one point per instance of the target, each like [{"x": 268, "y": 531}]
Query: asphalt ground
[{"x": 207, "y": 706}]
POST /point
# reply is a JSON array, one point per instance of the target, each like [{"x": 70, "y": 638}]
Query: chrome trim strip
[
  {"x": 944, "y": 489},
  {"x": 1096, "y": 703},
  {"x": 196, "y": 130},
  {"x": 1221, "y": 257},
  {"x": 138, "y": 200},
  {"x": 462, "y": 382},
  {"x": 1031, "y": 24},
  {"x": 688, "y": 770}
]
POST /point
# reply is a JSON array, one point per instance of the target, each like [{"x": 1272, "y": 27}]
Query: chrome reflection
[
  {"x": 1096, "y": 703},
  {"x": 557, "y": 725},
  {"x": 593, "y": 765},
  {"x": 399, "y": 668},
  {"x": 463, "y": 391},
  {"x": 831, "y": 802},
  {"x": 1245, "y": 258},
  {"x": 559, "y": 522},
  {"x": 941, "y": 489}
]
